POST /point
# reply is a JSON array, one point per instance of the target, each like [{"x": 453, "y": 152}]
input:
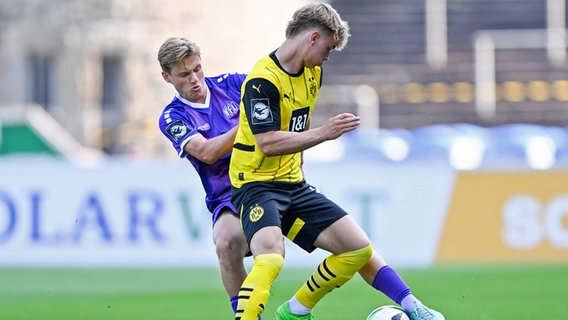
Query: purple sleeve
[
  {"x": 232, "y": 84},
  {"x": 177, "y": 128}
]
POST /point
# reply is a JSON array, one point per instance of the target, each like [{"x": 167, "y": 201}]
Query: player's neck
[{"x": 290, "y": 56}]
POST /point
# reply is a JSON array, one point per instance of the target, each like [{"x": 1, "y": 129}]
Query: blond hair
[
  {"x": 322, "y": 16},
  {"x": 174, "y": 50}
]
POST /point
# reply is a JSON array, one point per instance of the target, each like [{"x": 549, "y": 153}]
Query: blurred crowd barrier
[{"x": 461, "y": 146}]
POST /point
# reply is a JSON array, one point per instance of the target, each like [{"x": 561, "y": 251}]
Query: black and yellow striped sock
[
  {"x": 332, "y": 273},
  {"x": 255, "y": 290}
]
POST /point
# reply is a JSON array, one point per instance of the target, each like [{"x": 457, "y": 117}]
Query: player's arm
[
  {"x": 211, "y": 150},
  {"x": 280, "y": 142},
  {"x": 261, "y": 100}
]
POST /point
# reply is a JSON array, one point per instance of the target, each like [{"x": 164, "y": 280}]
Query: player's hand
[{"x": 340, "y": 124}]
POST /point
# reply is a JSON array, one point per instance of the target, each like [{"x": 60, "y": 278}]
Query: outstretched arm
[{"x": 279, "y": 142}]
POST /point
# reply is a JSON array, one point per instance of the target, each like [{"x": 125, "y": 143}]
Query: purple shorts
[{"x": 220, "y": 208}]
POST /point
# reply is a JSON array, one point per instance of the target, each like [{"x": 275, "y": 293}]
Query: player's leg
[
  {"x": 350, "y": 250},
  {"x": 260, "y": 205},
  {"x": 267, "y": 246},
  {"x": 343, "y": 235},
  {"x": 231, "y": 247},
  {"x": 386, "y": 280},
  {"x": 340, "y": 235}
]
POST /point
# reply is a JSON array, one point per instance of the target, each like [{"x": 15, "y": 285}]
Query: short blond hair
[
  {"x": 174, "y": 50},
  {"x": 323, "y": 16}
]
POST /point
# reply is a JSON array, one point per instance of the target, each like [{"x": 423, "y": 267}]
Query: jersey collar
[{"x": 196, "y": 105}]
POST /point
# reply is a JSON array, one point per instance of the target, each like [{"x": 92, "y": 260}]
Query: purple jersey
[{"x": 180, "y": 121}]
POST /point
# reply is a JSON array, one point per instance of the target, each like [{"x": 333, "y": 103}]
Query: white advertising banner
[
  {"x": 401, "y": 206},
  {"x": 128, "y": 213}
]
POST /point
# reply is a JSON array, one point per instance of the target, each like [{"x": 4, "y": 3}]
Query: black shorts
[{"x": 299, "y": 209}]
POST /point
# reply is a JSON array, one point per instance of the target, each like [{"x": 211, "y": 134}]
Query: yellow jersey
[{"x": 272, "y": 99}]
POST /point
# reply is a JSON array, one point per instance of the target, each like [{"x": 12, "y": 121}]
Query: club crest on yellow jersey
[{"x": 313, "y": 87}]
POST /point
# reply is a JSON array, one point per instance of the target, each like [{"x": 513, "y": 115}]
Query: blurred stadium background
[
  {"x": 464, "y": 141},
  {"x": 433, "y": 74}
]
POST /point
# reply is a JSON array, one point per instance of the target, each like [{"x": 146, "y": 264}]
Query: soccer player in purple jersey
[{"x": 201, "y": 122}]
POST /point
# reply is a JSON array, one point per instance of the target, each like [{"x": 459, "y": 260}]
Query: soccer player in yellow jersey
[{"x": 268, "y": 186}]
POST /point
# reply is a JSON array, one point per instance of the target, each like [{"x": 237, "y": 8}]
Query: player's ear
[
  {"x": 166, "y": 77},
  {"x": 314, "y": 36}
]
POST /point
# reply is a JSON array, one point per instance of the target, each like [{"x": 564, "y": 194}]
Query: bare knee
[
  {"x": 230, "y": 245},
  {"x": 229, "y": 239}
]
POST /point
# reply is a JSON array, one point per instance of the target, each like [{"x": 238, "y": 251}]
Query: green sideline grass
[{"x": 460, "y": 292}]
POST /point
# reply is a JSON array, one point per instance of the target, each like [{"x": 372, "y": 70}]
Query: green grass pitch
[{"x": 460, "y": 292}]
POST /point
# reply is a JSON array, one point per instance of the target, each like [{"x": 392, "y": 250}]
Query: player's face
[
  {"x": 319, "y": 51},
  {"x": 188, "y": 79}
]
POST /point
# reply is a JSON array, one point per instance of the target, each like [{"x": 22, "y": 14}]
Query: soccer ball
[{"x": 388, "y": 313}]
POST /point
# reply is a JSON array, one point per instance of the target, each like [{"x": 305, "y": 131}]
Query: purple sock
[
  {"x": 391, "y": 284},
  {"x": 234, "y": 303}
]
